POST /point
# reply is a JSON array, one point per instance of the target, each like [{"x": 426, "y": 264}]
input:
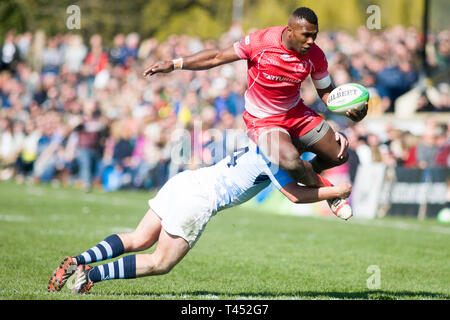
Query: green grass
[{"x": 242, "y": 254}]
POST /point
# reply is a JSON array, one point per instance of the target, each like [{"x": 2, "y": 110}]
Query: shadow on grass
[{"x": 321, "y": 295}]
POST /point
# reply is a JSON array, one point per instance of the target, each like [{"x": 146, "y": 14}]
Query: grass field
[{"x": 243, "y": 254}]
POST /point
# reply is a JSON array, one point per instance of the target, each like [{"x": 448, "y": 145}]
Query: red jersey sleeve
[
  {"x": 242, "y": 49},
  {"x": 319, "y": 63},
  {"x": 250, "y": 45}
]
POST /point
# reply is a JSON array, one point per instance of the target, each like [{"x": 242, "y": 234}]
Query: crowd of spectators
[{"x": 82, "y": 114}]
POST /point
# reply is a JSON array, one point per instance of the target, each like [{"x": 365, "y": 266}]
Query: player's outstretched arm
[
  {"x": 302, "y": 194},
  {"x": 202, "y": 60}
]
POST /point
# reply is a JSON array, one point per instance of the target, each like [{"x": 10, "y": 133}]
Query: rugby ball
[{"x": 347, "y": 96}]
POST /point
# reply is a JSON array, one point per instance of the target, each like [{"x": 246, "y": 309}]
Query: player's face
[{"x": 302, "y": 35}]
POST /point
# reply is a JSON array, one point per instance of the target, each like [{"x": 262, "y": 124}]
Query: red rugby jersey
[{"x": 275, "y": 73}]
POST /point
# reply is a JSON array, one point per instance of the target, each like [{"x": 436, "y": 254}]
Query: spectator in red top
[
  {"x": 442, "y": 158},
  {"x": 97, "y": 58},
  {"x": 410, "y": 148}
]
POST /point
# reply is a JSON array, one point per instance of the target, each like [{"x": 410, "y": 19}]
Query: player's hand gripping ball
[{"x": 348, "y": 97}]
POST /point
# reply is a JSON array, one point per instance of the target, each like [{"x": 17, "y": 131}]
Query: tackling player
[
  {"x": 177, "y": 223},
  {"x": 279, "y": 59}
]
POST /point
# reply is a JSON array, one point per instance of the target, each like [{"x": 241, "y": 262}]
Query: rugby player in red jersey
[{"x": 279, "y": 59}]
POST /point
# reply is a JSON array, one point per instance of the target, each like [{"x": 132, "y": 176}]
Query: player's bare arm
[
  {"x": 335, "y": 195},
  {"x": 302, "y": 194},
  {"x": 205, "y": 59}
]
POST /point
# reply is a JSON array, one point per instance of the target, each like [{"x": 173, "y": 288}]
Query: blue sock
[
  {"x": 109, "y": 248},
  {"x": 123, "y": 268}
]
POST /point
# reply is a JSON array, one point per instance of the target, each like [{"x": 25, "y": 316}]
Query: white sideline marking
[
  {"x": 209, "y": 296},
  {"x": 13, "y": 218}
]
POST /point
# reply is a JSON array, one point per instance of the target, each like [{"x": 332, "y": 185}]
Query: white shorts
[{"x": 183, "y": 206}]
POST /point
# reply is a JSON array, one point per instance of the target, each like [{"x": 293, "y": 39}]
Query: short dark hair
[{"x": 305, "y": 13}]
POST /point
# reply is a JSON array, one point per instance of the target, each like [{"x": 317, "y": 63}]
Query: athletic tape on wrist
[{"x": 178, "y": 64}]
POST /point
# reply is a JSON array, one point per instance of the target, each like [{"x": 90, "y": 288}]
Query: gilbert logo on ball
[{"x": 347, "y": 96}]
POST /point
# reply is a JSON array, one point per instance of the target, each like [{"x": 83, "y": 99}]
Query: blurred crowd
[
  {"x": 78, "y": 112},
  {"x": 399, "y": 148}
]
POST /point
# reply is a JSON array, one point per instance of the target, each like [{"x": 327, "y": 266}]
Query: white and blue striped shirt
[{"x": 239, "y": 177}]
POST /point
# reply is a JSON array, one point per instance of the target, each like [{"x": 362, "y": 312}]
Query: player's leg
[
  {"x": 276, "y": 144},
  {"x": 145, "y": 234},
  {"x": 275, "y": 135},
  {"x": 143, "y": 237},
  {"x": 322, "y": 142},
  {"x": 278, "y": 147},
  {"x": 169, "y": 251}
]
